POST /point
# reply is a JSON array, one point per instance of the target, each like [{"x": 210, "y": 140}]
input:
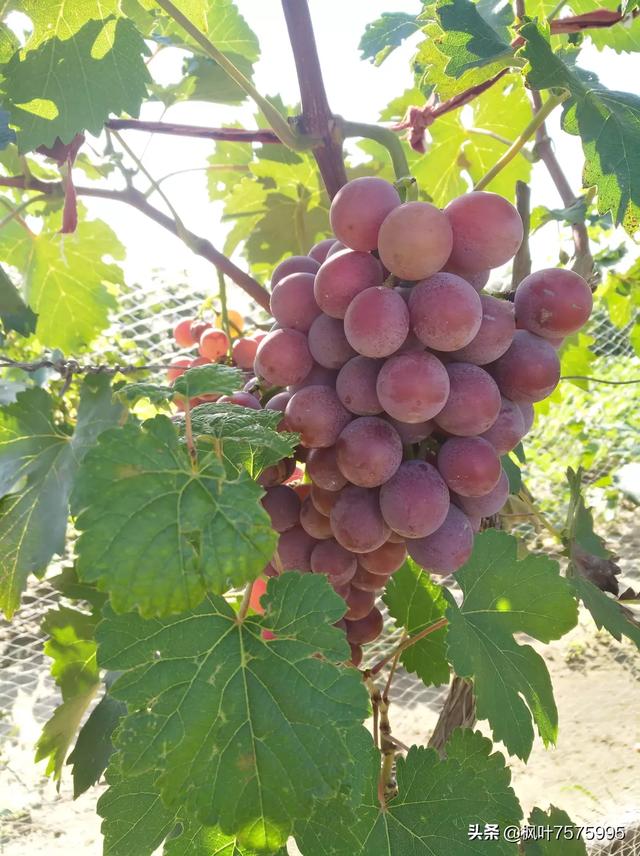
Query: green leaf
[
  {"x": 438, "y": 800},
  {"x": 72, "y": 647},
  {"x": 415, "y": 602},
  {"x": 249, "y": 732},
  {"x": 101, "y": 65},
  {"x": 503, "y": 596},
  {"x": 514, "y": 474},
  {"x": 131, "y": 393},
  {"x": 470, "y": 40},
  {"x": 605, "y": 611},
  {"x": 209, "y": 379},
  {"x": 158, "y": 531},
  {"x": 14, "y": 313},
  {"x": 38, "y": 463},
  {"x": 207, "y": 81},
  {"x": 7, "y": 134},
  {"x": 382, "y": 36},
  {"x": 559, "y": 821},
  {"x": 67, "y": 282},
  {"x": 62, "y": 19},
  {"x": 580, "y": 519},
  {"x": 197, "y": 840},
  {"x": 608, "y": 123},
  {"x": 94, "y": 746}
]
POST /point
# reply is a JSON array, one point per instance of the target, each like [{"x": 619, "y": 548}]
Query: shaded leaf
[
  {"x": 94, "y": 746},
  {"x": 7, "y": 134},
  {"x": 559, "y": 843},
  {"x": 382, "y": 36},
  {"x": 194, "y": 839},
  {"x": 14, "y": 312},
  {"x": 605, "y": 610}
]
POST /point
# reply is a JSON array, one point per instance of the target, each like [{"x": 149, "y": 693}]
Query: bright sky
[{"x": 356, "y": 90}]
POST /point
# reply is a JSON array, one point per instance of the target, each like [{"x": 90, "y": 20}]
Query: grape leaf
[
  {"x": 580, "y": 519},
  {"x": 207, "y": 81},
  {"x": 470, "y": 39},
  {"x": 201, "y": 380},
  {"x": 437, "y": 802},
  {"x": 415, "y": 602},
  {"x": 382, "y": 36},
  {"x": 94, "y": 746},
  {"x": 67, "y": 282},
  {"x": 157, "y": 530},
  {"x": 102, "y": 64},
  {"x": 503, "y": 596},
  {"x": 439, "y": 171},
  {"x": 72, "y": 647},
  {"x": 14, "y": 313},
  {"x": 242, "y": 756},
  {"x": 558, "y": 820},
  {"x": 608, "y": 123},
  {"x": 605, "y": 611},
  {"x": 38, "y": 462},
  {"x": 63, "y": 18},
  {"x": 7, "y": 134},
  {"x": 513, "y": 472},
  {"x": 197, "y": 840}
]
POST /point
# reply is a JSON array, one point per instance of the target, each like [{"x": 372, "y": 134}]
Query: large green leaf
[
  {"x": 382, "y": 36},
  {"x": 62, "y": 87},
  {"x": 14, "y": 313},
  {"x": 158, "y": 530},
  {"x": 415, "y": 602},
  {"x": 473, "y": 35},
  {"x": 503, "y": 596},
  {"x": 66, "y": 280},
  {"x": 38, "y": 463},
  {"x": 437, "y": 803},
  {"x": 563, "y": 839},
  {"x": 248, "y": 732},
  {"x": 608, "y": 123}
]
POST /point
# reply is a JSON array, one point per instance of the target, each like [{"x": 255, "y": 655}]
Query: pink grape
[
  {"x": 386, "y": 560},
  {"x": 528, "y": 414},
  {"x": 474, "y": 401},
  {"x": 414, "y": 502},
  {"x": 328, "y": 343},
  {"x": 377, "y": 322},
  {"x": 283, "y": 358},
  {"x": 508, "y": 429},
  {"x": 490, "y": 503},
  {"x": 469, "y": 465},
  {"x": 283, "y": 507},
  {"x": 553, "y": 303},
  {"x": 358, "y": 210},
  {"x": 341, "y": 277},
  {"x": 366, "y": 629},
  {"x": 294, "y": 550},
  {"x": 243, "y": 399},
  {"x": 528, "y": 371},
  {"x": 476, "y": 279},
  {"x": 278, "y": 401},
  {"x": 494, "y": 336},
  {"x": 413, "y": 387},
  {"x": 318, "y": 376},
  {"x": 336, "y": 247},
  {"x": 487, "y": 231},
  {"x": 323, "y": 470},
  {"x": 323, "y": 500},
  {"x": 412, "y": 432},
  {"x": 293, "y": 303},
  {"x": 178, "y": 367},
  {"x": 316, "y": 413},
  {"x": 278, "y": 473},
  {"x": 356, "y": 386},
  {"x": 448, "y": 548},
  {"x": 318, "y": 252},
  {"x": 244, "y": 353},
  {"x": 357, "y": 522},
  {"x": 359, "y": 603},
  {"x": 365, "y": 580},
  {"x": 214, "y": 344},
  {"x": 316, "y": 524},
  {"x": 329, "y": 558},
  {"x": 182, "y": 334},
  {"x": 293, "y": 264},
  {"x": 446, "y": 312},
  {"x": 415, "y": 240},
  {"x": 368, "y": 451}
]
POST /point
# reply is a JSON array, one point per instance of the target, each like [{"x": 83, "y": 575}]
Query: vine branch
[
  {"x": 407, "y": 643},
  {"x": 229, "y": 135}
]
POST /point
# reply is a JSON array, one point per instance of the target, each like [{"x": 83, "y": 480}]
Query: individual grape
[
  {"x": 412, "y": 432},
  {"x": 415, "y": 501},
  {"x": 494, "y": 336},
  {"x": 476, "y": 279},
  {"x": 358, "y": 210},
  {"x": 282, "y": 504},
  {"x": 182, "y": 334},
  {"x": 242, "y": 399},
  {"x": 368, "y": 451},
  {"x": 178, "y": 367},
  {"x": 244, "y": 353},
  {"x": 278, "y": 473},
  {"x": 448, "y": 548},
  {"x": 293, "y": 264},
  {"x": 377, "y": 322},
  {"x": 528, "y": 371},
  {"x": 356, "y": 386},
  {"x": 341, "y": 277},
  {"x": 445, "y": 311},
  {"x": 323, "y": 470},
  {"x": 469, "y": 465},
  {"x": 487, "y": 231},
  {"x": 329, "y": 558},
  {"x": 385, "y": 560},
  {"x": 328, "y": 343},
  {"x": 270, "y": 571},
  {"x": 490, "y": 503},
  {"x": 292, "y": 302},
  {"x": 303, "y": 490},
  {"x": 318, "y": 376},
  {"x": 474, "y": 401},
  {"x": 214, "y": 344},
  {"x": 528, "y": 414},
  {"x": 367, "y": 581},
  {"x": 200, "y": 361},
  {"x": 323, "y": 500},
  {"x": 283, "y": 358},
  {"x": 357, "y": 522},
  {"x": 295, "y": 547},
  {"x": 356, "y": 655},
  {"x": 413, "y": 387},
  {"x": 258, "y": 588},
  {"x": 336, "y": 247},
  {"x": 318, "y": 252},
  {"x": 316, "y": 524},
  {"x": 366, "y": 629},
  {"x": 553, "y": 303},
  {"x": 316, "y": 413},
  {"x": 415, "y": 240},
  {"x": 278, "y": 401},
  {"x": 359, "y": 603},
  {"x": 198, "y": 329},
  {"x": 508, "y": 429}
]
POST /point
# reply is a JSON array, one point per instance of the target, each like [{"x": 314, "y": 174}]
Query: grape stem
[
  {"x": 385, "y": 137},
  {"x": 407, "y": 643},
  {"x": 246, "y": 599},
  {"x": 538, "y": 119},
  {"x": 224, "y": 311}
]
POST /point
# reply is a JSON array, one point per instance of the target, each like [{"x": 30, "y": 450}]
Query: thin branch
[
  {"x": 600, "y": 380},
  {"x": 200, "y": 246},
  {"x": 14, "y": 213},
  {"x": 317, "y": 119},
  {"x": 386, "y": 138},
  {"x": 407, "y": 643},
  {"x": 522, "y": 260},
  {"x": 65, "y": 368},
  {"x": 229, "y": 135}
]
